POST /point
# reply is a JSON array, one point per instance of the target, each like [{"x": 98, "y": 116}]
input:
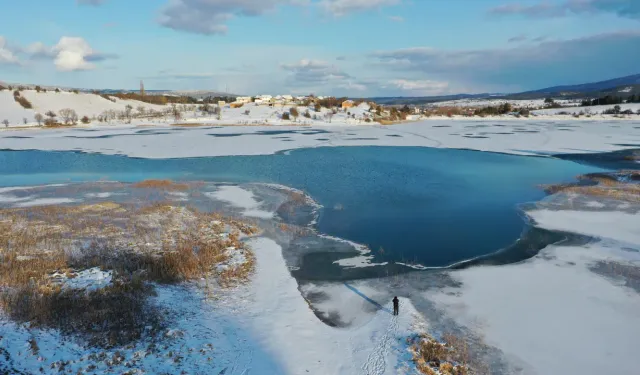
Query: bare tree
[
  {"x": 329, "y": 116},
  {"x": 206, "y": 108},
  {"x": 176, "y": 112},
  {"x": 6, "y": 123},
  {"x": 218, "y": 112},
  {"x": 127, "y": 111},
  {"x": 68, "y": 115},
  {"x": 24, "y": 120},
  {"x": 112, "y": 114},
  {"x": 39, "y": 118},
  {"x": 141, "y": 110},
  {"x": 293, "y": 111}
]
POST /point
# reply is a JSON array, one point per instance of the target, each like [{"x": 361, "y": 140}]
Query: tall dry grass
[
  {"x": 432, "y": 357},
  {"x": 140, "y": 245},
  {"x": 608, "y": 186}
]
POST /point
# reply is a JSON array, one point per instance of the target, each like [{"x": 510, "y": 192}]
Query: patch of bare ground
[
  {"x": 43, "y": 249},
  {"x": 447, "y": 357},
  {"x": 629, "y": 273},
  {"x": 622, "y": 185}
]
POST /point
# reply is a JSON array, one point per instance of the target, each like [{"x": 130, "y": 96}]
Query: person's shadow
[{"x": 366, "y": 298}]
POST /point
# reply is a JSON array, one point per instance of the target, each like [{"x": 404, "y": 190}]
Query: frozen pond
[{"x": 420, "y": 206}]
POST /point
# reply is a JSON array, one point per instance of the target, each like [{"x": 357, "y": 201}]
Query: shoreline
[{"x": 199, "y": 122}]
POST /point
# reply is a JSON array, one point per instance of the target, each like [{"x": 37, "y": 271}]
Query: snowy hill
[{"x": 84, "y": 104}]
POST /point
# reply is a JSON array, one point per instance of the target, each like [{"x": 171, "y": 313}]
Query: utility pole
[{"x": 141, "y": 88}]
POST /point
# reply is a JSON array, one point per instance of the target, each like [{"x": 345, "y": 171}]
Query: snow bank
[
  {"x": 283, "y": 323},
  {"x": 44, "y": 202},
  {"x": 555, "y": 316},
  {"x": 591, "y": 223},
  {"x": 240, "y": 198}
]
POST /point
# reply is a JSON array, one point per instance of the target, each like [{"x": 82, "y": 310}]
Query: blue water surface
[{"x": 435, "y": 207}]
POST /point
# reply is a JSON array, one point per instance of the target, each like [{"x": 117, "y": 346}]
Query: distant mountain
[
  {"x": 623, "y": 86},
  {"x": 589, "y": 87},
  {"x": 198, "y": 94},
  {"x": 417, "y": 100}
]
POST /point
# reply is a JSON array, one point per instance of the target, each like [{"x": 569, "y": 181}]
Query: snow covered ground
[
  {"x": 241, "y": 198},
  {"x": 513, "y": 137},
  {"x": 92, "y": 105},
  {"x": 572, "y": 309},
  {"x": 595, "y": 109},
  {"x": 478, "y": 103},
  {"x": 83, "y": 103}
]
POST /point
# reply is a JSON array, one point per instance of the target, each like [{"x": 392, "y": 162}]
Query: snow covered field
[
  {"x": 84, "y": 104},
  {"x": 594, "y": 110},
  {"x": 479, "y": 103},
  {"x": 513, "y": 137}
]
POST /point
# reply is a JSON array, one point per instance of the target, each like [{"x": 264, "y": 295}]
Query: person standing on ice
[{"x": 396, "y": 305}]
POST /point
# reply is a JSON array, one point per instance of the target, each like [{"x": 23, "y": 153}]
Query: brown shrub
[
  {"x": 605, "y": 186},
  {"x": 160, "y": 184},
  {"x": 431, "y": 356},
  {"x": 110, "y": 316},
  {"x": 23, "y": 102}
]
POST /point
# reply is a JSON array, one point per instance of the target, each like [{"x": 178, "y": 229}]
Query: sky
[{"x": 358, "y": 48}]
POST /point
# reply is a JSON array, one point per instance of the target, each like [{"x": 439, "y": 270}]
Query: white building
[
  {"x": 243, "y": 99},
  {"x": 264, "y": 99}
]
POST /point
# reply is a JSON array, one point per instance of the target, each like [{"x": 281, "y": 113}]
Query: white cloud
[
  {"x": 343, "y": 7},
  {"x": 396, "y": 19},
  {"x": 7, "y": 55},
  {"x": 69, "y": 54},
  {"x": 72, "y": 53}
]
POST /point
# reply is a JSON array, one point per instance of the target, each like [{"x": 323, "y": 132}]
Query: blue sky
[{"x": 337, "y": 47}]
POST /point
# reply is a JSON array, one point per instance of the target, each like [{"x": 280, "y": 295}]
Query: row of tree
[{"x": 611, "y": 99}]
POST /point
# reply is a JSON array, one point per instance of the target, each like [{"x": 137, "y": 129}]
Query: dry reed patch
[
  {"x": 616, "y": 185},
  {"x": 439, "y": 358},
  {"x": 388, "y": 122},
  {"x": 158, "y": 243},
  {"x": 161, "y": 185}
]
